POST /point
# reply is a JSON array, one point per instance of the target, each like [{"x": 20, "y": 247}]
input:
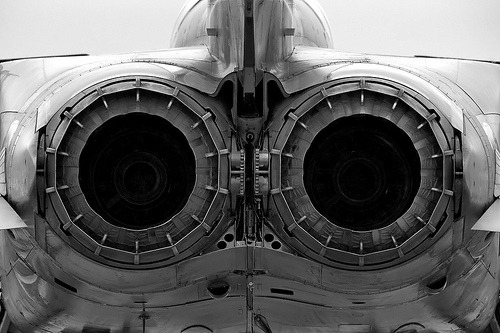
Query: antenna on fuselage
[{"x": 144, "y": 316}]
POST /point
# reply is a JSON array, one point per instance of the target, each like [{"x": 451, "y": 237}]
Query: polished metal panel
[
  {"x": 218, "y": 25},
  {"x": 279, "y": 27},
  {"x": 316, "y": 191}
]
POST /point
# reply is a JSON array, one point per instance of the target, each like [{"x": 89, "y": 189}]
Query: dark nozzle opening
[
  {"x": 362, "y": 172},
  {"x": 137, "y": 171}
]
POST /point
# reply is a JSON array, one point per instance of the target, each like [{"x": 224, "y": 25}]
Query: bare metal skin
[{"x": 250, "y": 179}]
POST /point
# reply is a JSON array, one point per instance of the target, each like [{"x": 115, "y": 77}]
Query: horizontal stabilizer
[
  {"x": 8, "y": 217},
  {"x": 46, "y": 56},
  {"x": 490, "y": 221}
]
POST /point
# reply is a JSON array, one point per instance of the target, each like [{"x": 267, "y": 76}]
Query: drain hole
[
  {"x": 276, "y": 245},
  {"x": 282, "y": 291},
  {"x": 11, "y": 234},
  {"x": 218, "y": 289},
  {"x": 65, "y": 285},
  {"x": 221, "y": 245},
  {"x": 91, "y": 329},
  {"x": 229, "y": 238},
  {"x": 269, "y": 238},
  {"x": 437, "y": 286}
]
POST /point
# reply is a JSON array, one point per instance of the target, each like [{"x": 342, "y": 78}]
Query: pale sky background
[{"x": 448, "y": 28}]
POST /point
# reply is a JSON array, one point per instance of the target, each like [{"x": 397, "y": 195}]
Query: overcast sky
[{"x": 450, "y": 28}]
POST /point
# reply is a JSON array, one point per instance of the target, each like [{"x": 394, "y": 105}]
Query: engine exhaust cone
[
  {"x": 137, "y": 171},
  {"x": 362, "y": 172}
]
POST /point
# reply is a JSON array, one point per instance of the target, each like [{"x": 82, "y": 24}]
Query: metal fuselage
[{"x": 290, "y": 200}]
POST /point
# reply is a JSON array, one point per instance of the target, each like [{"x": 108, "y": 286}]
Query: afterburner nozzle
[
  {"x": 365, "y": 173},
  {"x": 133, "y": 172}
]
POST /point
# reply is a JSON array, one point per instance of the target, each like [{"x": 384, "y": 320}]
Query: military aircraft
[{"x": 250, "y": 179}]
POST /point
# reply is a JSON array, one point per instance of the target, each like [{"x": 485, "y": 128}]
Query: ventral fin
[
  {"x": 8, "y": 217},
  {"x": 490, "y": 220}
]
